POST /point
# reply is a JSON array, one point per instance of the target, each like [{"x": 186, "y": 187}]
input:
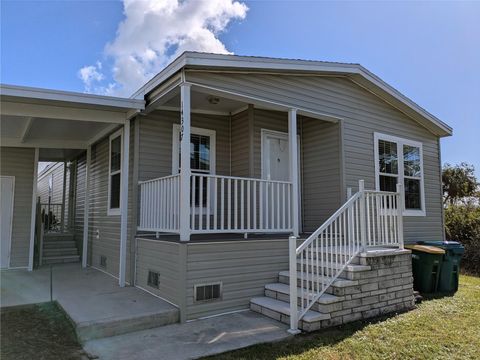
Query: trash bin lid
[
  {"x": 453, "y": 246},
  {"x": 426, "y": 249}
]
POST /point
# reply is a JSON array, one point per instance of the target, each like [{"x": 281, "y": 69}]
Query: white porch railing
[
  {"x": 367, "y": 219},
  {"x": 234, "y": 204},
  {"x": 52, "y": 215},
  {"x": 159, "y": 204},
  {"x": 218, "y": 204}
]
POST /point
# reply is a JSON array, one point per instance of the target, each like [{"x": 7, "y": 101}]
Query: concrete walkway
[
  {"x": 93, "y": 300},
  {"x": 191, "y": 340}
]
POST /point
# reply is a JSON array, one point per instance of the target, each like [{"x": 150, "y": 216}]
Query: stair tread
[
  {"x": 58, "y": 257},
  {"x": 325, "y": 299},
  {"x": 349, "y": 267},
  {"x": 339, "y": 282},
  {"x": 284, "y": 308}
]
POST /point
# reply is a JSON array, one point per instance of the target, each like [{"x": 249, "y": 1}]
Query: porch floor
[
  {"x": 93, "y": 300},
  {"x": 219, "y": 237}
]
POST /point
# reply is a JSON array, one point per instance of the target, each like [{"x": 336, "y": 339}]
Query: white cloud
[
  {"x": 90, "y": 75},
  {"x": 153, "y": 33}
]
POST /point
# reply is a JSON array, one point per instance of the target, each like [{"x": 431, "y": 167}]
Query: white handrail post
[
  {"x": 400, "y": 207},
  {"x": 292, "y": 251},
  {"x": 349, "y": 193},
  {"x": 185, "y": 171},
  {"x": 363, "y": 232},
  {"x": 293, "y": 153}
]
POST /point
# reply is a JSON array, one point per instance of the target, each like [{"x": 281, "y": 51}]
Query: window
[
  {"x": 202, "y": 157},
  {"x": 115, "y": 173},
  {"x": 400, "y": 160},
  {"x": 153, "y": 279},
  {"x": 208, "y": 292}
]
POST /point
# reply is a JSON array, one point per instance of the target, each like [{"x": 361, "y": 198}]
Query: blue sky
[{"x": 429, "y": 51}]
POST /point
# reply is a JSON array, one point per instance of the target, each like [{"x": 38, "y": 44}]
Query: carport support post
[
  {"x": 124, "y": 204},
  {"x": 34, "y": 210},
  {"x": 86, "y": 207},
  {"x": 293, "y": 147},
  {"x": 185, "y": 171}
]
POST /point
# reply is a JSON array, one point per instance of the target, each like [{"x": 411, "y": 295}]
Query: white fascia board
[
  {"x": 46, "y": 143},
  {"x": 71, "y": 97}
]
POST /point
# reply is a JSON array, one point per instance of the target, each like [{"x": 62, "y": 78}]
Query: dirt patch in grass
[
  {"x": 40, "y": 331},
  {"x": 440, "y": 328}
]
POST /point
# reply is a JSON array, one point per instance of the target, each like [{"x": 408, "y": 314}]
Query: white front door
[
  {"x": 276, "y": 159},
  {"x": 275, "y": 156},
  {"x": 7, "y": 184}
]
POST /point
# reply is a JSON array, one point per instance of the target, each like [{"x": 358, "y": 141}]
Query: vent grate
[
  {"x": 103, "y": 261},
  {"x": 153, "y": 279},
  {"x": 208, "y": 292}
]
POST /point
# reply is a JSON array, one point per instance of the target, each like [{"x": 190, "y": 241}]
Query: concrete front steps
[
  {"x": 59, "y": 248},
  {"x": 375, "y": 283}
]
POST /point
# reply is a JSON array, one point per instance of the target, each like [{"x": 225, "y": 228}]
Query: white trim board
[{"x": 400, "y": 176}]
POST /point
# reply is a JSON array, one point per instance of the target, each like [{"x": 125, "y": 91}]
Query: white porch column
[
  {"x": 293, "y": 148},
  {"x": 34, "y": 210},
  {"x": 124, "y": 204},
  {"x": 86, "y": 207},
  {"x": 185, "y": 171}
]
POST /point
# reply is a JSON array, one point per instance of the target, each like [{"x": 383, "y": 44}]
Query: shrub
[{"x": 462, "y": 223}]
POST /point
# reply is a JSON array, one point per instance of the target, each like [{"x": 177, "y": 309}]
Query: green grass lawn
[{"x": 442, "y": 328}]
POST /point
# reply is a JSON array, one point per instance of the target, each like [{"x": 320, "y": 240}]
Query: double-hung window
[
  {"x": 202, "y": 158},
  {"x": 399, "y": 160},
  {"x": 115, "y": 172}
]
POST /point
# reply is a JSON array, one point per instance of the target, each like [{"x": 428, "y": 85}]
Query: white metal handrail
[
  {"x": 159, "y": 204},
  {"x": 235, "y": 204},
  {"x": 52, "y": 215},
  {"x": 367, "y": 219}
]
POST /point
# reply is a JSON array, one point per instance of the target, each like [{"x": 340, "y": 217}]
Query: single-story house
[{"x": 224, "y": 177}]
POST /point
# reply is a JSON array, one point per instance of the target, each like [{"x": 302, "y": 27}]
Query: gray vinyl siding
[
  {"x": 19, "y": 162},
  {"x": 79, "y": 201},
  {"x": 57, "y": 171},
  {"x": 321, "y": 185},
  {"x": 161, "y": 257},
  {"x": 240, "y": 144},
  {"x": 363, "y": 113},
  {"x": 243, "y": 268},
  {"x": 107, "y": 226},
  {"x": 155, "y": 143}
]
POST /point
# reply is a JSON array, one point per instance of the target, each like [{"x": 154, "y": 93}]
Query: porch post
[
  {"x": 293, "y": 148},
  {"x": 124, "y": 204},
  {"x": 86, "y": 207},
  {"x": 34, "y": 210},
  {"x": 64, "y": 189},
  {"x": 185, "y": 171}
]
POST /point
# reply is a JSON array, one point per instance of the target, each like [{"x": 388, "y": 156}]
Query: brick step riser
[
  {"x": 66, "y": 244},
  {"x": 286, "y": 280},
  {"x": 341, "y": 259},
  {"x": 285, "y": 318},
  {"x": 59, "y": 252},
  {"x": 60, "y": 261},
  {"x": 328, "y": 271},
  {"x": 321, "y": 308}
]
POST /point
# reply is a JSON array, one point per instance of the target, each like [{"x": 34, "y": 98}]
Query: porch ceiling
[{"x": 49, "y": 119}]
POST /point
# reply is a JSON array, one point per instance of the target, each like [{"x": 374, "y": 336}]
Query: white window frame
[
  {"x": 114, "y": 211},
  {"x": 176, "y": 154},
  {"x": 401, "y": 171}
]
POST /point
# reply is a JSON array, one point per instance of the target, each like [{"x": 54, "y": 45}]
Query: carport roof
[{"x": 52, "y": 119}]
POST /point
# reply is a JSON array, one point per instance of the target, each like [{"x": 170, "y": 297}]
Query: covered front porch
[{"x": 239, "y": 152}]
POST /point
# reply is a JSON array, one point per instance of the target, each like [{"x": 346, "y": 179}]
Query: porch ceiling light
[{"x": 213, "y": 100}]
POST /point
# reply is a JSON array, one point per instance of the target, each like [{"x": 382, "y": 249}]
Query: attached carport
[{"x": 48, "y": 125}]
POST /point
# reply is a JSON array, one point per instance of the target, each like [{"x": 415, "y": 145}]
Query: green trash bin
[
  {"x": 426, "y": 263},
  {"x": 450, "y": 268}
]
